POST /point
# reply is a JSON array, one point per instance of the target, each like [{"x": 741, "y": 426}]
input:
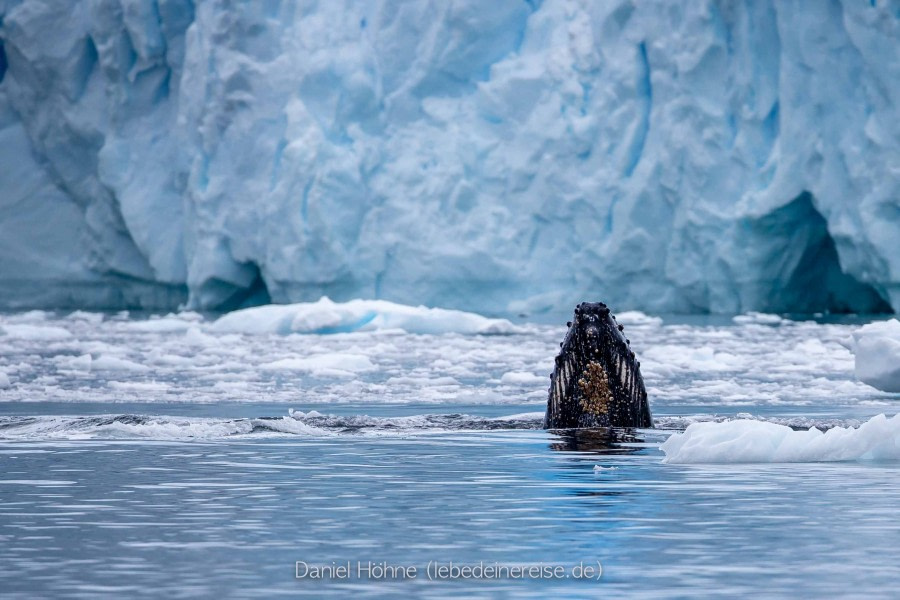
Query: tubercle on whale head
[{"x": 593, "y": 327}]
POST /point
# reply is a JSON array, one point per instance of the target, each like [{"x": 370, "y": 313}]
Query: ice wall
[{"x": 496, "y": 156}]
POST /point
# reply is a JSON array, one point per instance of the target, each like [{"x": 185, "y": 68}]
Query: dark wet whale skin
[{"x": 597, "y": 379}]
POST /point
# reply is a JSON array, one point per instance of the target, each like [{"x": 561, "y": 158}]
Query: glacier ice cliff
[{"x": 497, "y": 156}]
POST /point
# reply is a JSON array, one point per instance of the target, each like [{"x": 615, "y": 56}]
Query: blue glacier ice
[{"x": 500, "y": 156}]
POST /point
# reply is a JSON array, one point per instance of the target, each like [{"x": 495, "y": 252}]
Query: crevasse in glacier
[{"x": 500, "y": 156}]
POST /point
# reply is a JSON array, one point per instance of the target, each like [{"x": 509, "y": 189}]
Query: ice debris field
[{"x": 708, "y": 378}]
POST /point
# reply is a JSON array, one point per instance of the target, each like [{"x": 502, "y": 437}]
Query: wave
[
  {"x": 316, "y": 424},
  {"x": 296, "y": 423}
]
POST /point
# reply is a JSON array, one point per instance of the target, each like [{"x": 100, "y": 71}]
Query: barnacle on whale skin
[{"x": 595, "y": 394}]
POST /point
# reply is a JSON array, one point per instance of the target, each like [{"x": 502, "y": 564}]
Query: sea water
[{"x": 155, "y": 457}]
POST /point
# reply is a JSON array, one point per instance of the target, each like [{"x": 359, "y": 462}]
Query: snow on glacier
[{"x": 502, "y": 157}]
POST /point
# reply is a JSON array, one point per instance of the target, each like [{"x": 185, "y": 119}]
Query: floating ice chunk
[
  {"x": 758, "y": 318},
  {"x": 424, "y": 382},
  {"x": 88, "y": 317},
  {"x": 692, "y": 359},
  {"x": 36, "y": 332},
  {"x": 523, "y": 378},
  {"x": 876, "y": 347},
  {"x": 326, "y": 316},
  {"x": 32, "y": 316},
  {"x": 195, "y": 337},
  {"x": 299, "y": 414},
  {"x": 139, "y": 386},
  {"x": 171, "y": 323},
  {"x": 74, "y": 363},
  {"x": 112, "y": 363},
  {"x": 749, "y": 441},
  {"x": 636, "y": 317},
  {"x": 324, "y": 365}
]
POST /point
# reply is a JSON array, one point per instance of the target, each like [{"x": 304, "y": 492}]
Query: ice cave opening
[
  {"x": 798, "y": 255},
  {"x": 226, "y": 296}
]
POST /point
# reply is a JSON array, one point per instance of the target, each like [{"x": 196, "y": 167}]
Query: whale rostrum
[{"x": 597, "y": 379}]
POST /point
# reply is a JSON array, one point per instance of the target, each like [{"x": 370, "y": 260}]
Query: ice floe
[
  {"x": 876, "y": 347},
  {"x": 752, "y": 441},
  {"x": 326, "y": 316}
]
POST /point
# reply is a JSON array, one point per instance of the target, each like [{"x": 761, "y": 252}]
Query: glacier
[{"x": 510, "y": 156}]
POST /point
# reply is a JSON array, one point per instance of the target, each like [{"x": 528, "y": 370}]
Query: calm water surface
[{"x": 230, "y": 517}]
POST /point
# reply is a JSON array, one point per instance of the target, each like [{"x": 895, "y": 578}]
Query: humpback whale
[{"x": 597, "y": 379}]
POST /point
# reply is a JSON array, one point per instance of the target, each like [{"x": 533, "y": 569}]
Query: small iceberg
[
  {"x": 876, "y": 347},
  {"x": 326, "y": 316},
  {"x": 751, "y": 441}
]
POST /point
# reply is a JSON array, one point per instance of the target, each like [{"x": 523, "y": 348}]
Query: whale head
[{"x": 596, "y": 381}]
